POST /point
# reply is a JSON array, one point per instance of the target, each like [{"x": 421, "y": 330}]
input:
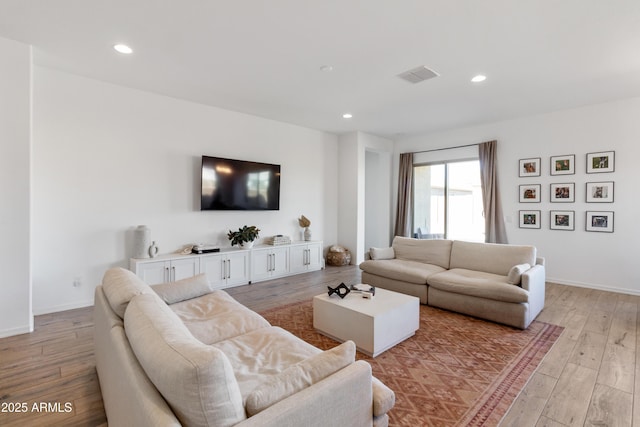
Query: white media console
[{"x": 233, "y": 267}]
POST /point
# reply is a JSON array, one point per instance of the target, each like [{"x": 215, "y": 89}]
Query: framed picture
[
  {"x": 563, "y": 165},
  {"x": 563, "y": 193},
  {"x": 600, "y": 192},
  {"x": 529, "y": 167},
  {"x": 529, "y": 219},
  {"x": 530, "y": 193},
  {"x": 599, "y": 221},
  {"x": 601, "y": 162},
  {"x": 562, "y": 220}
]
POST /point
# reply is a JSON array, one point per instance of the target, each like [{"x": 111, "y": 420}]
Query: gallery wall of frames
[{"x": 599, "y": 190}]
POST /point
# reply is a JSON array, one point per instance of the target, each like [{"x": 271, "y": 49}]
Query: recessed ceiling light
[
  {"x": 479, "y": 78},
  {"x": 123, "y": 48},
  {"x": 326, "y": 68},
  {"x": 347, "y": 115}
]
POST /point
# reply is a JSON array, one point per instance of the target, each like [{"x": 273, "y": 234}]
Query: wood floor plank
[
  {"x": 546, "y": 422},
  {"x": 554, "y": 362},
  {"x": 573, "y": 322},
  {"x": 609, "y": 407},
  {"x": 531, "y": 402},
  {"x": 569, "y": 401},
  {"x": 589, "y": 350},
  {"x": 599, "y": 321},
  {"x": 618, "y": 368}
]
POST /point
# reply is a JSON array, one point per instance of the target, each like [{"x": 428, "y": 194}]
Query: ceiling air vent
[{"x": 418, "y": 74}]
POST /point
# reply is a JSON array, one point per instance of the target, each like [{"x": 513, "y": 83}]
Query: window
[{"x": 447, "y": 201}]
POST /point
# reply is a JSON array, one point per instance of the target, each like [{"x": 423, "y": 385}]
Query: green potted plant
[{"x": 246, "y": 234}]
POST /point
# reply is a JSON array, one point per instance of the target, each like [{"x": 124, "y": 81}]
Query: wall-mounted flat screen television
[{"x": 238, "y": 185}]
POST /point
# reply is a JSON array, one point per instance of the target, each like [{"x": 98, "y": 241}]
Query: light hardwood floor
[{"x": 588, "y": 378}]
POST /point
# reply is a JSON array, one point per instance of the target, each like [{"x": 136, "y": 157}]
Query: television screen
[{"x": 229, "y": 184}]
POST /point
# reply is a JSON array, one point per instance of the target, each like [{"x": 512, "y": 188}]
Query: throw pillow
[
  {"x": 181, "y": 290},
  {"x": 382, "y": 253},
  {"x": 516, "y": 272},
  {"x": 300, "y": 376}
]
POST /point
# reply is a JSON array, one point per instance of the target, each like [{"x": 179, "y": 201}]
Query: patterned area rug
[{"x": 456, "y": 370}]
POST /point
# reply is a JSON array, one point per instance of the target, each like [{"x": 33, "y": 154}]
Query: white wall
[
  {"x": 350, "y": 195},
  {"x": 15, "y": 187},
  {"x": 377, "y": 187},
  {"x": 107, "y": 158},
  {"x": 352, "y": 149},
  {"x": 598, "y": 260}
]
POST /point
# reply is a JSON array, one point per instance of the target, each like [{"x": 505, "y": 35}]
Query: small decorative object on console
[
  {"x": 304, "y": 222},
  {"x": 278, "y": 240},
  {"x": 341, "y": 290},
  {"x": 204, "y": 249},
  {"x": 153, "y": 250}
]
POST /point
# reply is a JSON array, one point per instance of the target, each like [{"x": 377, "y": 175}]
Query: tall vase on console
[
  {"x": 141, "y": 241},
  {"x": 305, "y": 222}
]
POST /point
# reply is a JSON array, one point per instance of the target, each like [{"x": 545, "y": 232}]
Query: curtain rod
[{"x": 446, "y": 148}]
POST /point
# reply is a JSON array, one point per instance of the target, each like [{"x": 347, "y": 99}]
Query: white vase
[
  {"x": 153, "y": 250},
  {"x": 141, "y": 241},
  {"x": 307, "y": 234},
  {"x": 247, "y": 245}
]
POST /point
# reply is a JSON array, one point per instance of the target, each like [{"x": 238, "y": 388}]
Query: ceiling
[{"x": 265, "y": 57}]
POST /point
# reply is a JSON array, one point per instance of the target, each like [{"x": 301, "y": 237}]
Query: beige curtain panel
[
  {"x": 493, "y": 218},
  {"x": 405, "y": 183}
]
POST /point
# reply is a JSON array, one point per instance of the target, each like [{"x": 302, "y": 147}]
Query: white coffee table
[{"x": 375, "y": 325}]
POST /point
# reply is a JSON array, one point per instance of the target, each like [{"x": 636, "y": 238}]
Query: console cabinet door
[
  {"x": 237, "y": 268},
  {"x": 213, "y": 266},
  {"x": 279, "y": 261},
  {"x": 153, "y": 273},
  {"x": 314, "y": 256},
  {"x": 298, "y": 258},
  {"x": 183, "y": 268},
  {"x": 306, "y": 257},
  {"x": 261, "y": 260}
]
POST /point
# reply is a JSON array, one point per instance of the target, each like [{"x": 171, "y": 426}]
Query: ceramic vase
[
  {"x": 307, "y": 234},
  {"x": 141, "y": 241},
  {"x": 153, "y": 250}
]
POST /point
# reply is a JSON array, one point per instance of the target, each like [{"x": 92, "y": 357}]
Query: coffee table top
[{"x": 383, "y": 301}]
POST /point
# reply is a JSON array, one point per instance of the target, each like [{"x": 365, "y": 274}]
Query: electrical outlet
[{"x": 77, "y": 282}]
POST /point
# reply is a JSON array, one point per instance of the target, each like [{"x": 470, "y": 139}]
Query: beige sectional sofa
[
  {"x": 182, "y": 354},
  {"x": 501, "y": 283}
]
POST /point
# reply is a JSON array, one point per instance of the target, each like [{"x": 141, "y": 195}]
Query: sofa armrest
[
  {"x": 540, "y": 261},
  {"x": 533, "y": 278},
  {"x": 344, "y": 395}
]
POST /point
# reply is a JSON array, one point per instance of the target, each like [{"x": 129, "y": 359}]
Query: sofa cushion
[
  {"x": 382, "y": 253},
  {"x": 120, "y": 286},
  {"x": 217, "y": 316},
  {"x": 196, "y": 380},
  {"x": 300, "y": 376},
  {"x": 258, "y": 355},
  {"x": 516, "y": 273},
  {"x": 478, "y": 284},
  {"x": 490, "y": 257},
  {"x": 182, "y": 290},
  {"x": 400, "y": 269},
  {"x": 436, "y": 252}
]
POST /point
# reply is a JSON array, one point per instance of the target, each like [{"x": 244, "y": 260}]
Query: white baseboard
[
  {"x": 15, "y": 331},
  {"x": 594, "y": 286},
  {"x": 63, "y": 307}
]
